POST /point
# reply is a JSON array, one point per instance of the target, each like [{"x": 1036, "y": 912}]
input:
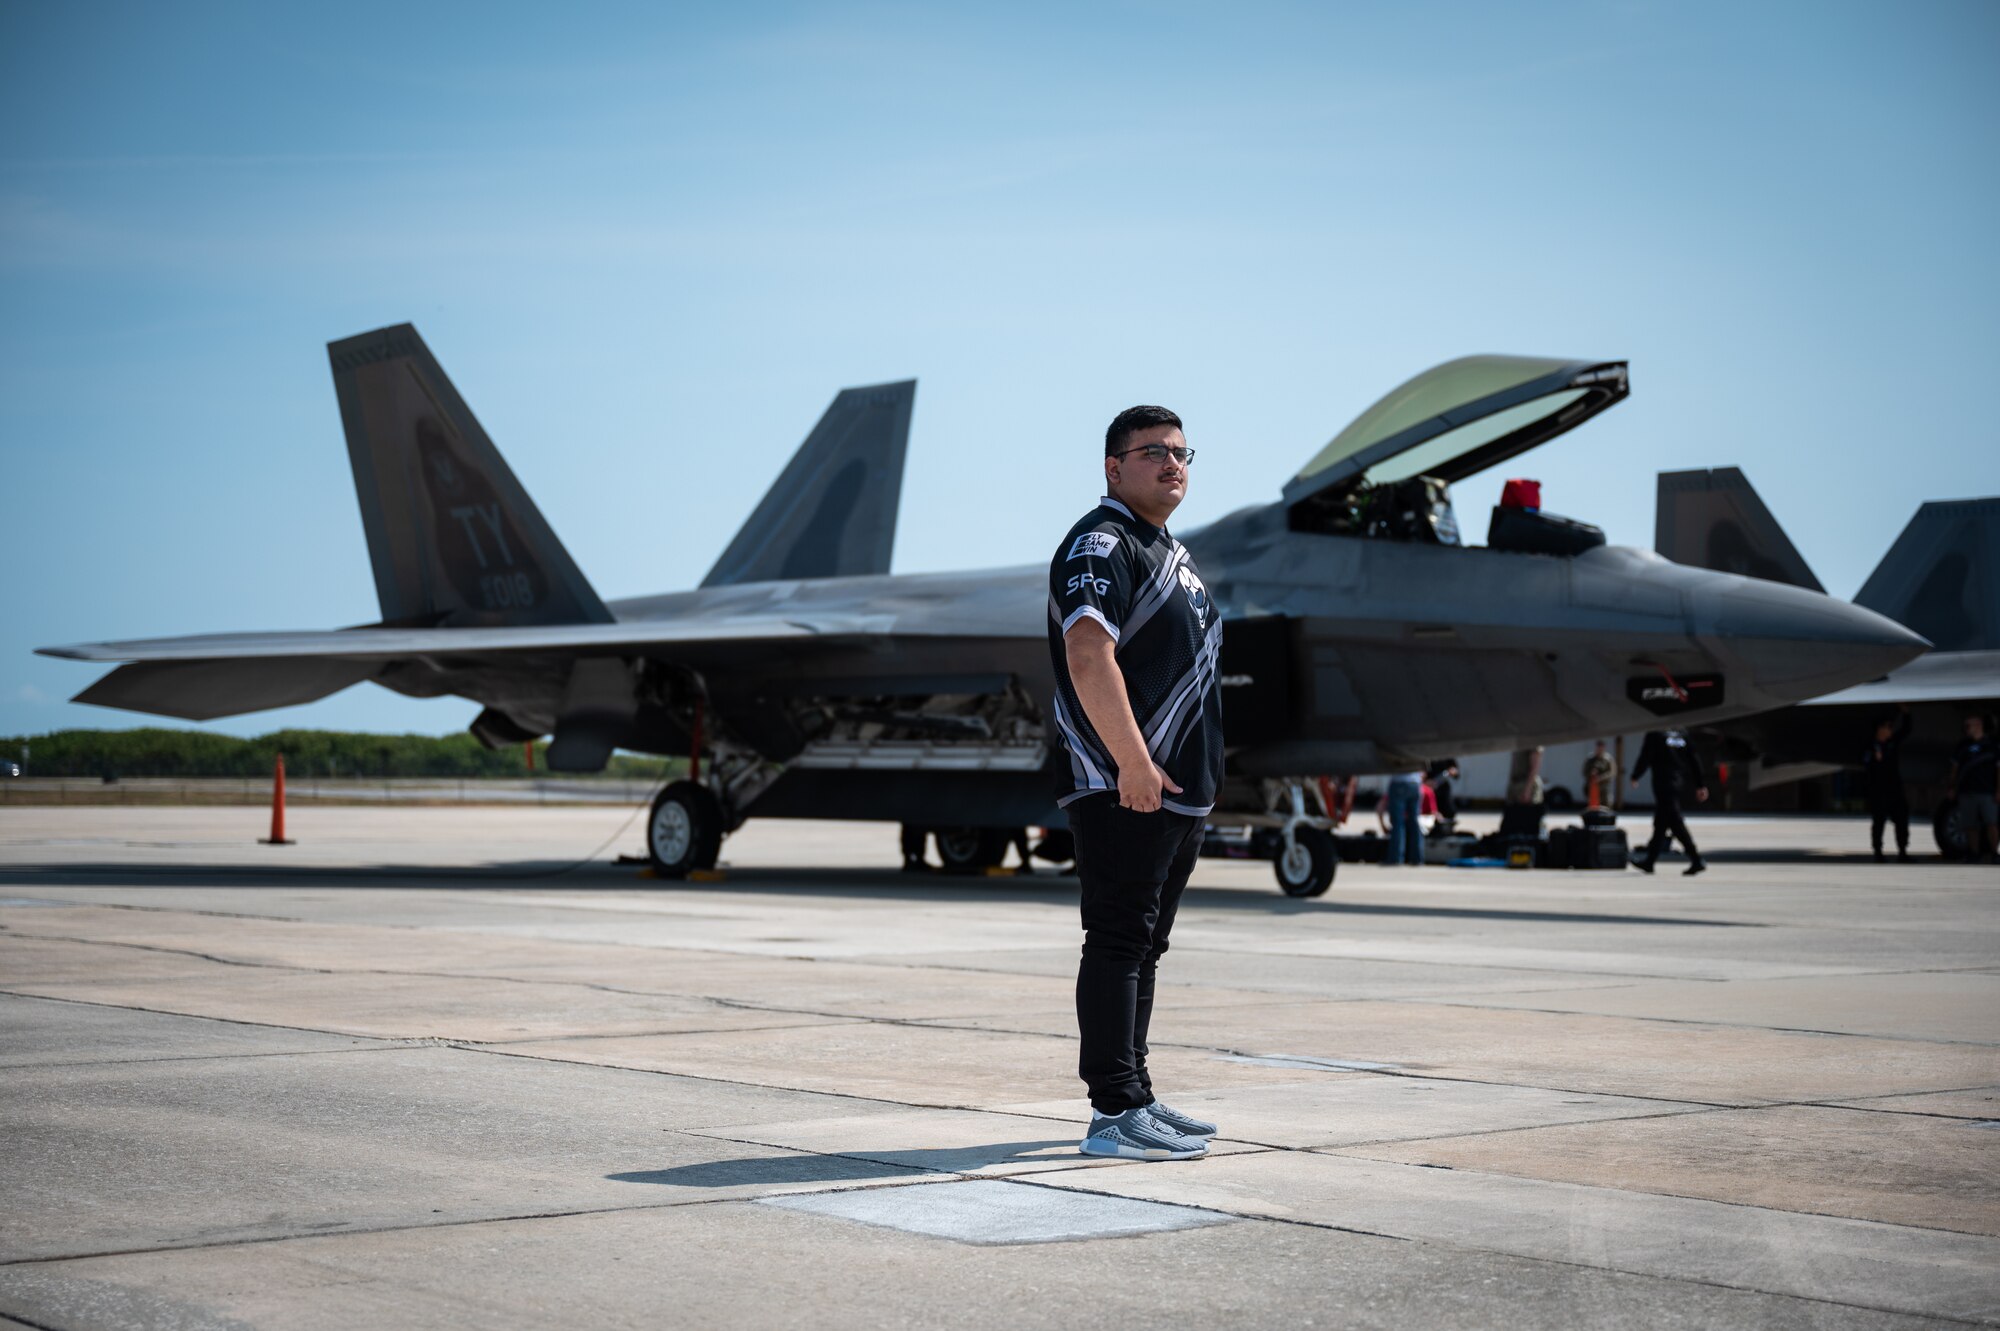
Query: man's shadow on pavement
[{"x": 767, "y": 1169}]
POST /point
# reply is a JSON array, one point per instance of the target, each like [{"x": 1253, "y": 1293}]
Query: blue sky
[{"x": 650, "y": 242}]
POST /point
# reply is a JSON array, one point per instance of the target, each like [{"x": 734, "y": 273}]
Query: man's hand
[{"x": 1139, "y": 787}]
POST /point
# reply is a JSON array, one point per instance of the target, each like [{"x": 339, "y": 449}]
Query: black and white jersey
[{"x": 1142, "y": 586}]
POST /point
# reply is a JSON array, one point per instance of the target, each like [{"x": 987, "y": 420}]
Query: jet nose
[{"x": 1797, "y": 644}]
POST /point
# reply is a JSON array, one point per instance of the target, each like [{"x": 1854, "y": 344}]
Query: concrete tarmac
[{"x": 454, "y": 1068}]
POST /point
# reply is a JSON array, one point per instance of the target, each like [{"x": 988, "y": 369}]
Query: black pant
[
  {"x": 1668, "y": 824},
  {"x": 1133, "y": 867},
  {"x": 1889, "y": 806}
]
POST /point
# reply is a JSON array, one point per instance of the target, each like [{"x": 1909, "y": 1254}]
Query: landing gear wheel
[
  {"x": 684, "y": 832},
  {"x": 1949, "y": 830},
  {"x": 972, "y": 849},
  {"x": 1305, "y": 868}
]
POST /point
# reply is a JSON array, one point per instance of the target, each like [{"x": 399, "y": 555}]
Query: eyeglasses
[{"x": 1160, "y": 453}]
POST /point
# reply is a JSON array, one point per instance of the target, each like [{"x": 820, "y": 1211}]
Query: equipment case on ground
[{"x": 1598, "y": 848}]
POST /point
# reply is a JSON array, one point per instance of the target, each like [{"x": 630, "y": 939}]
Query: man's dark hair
[{"x": 1134, "y": 419}]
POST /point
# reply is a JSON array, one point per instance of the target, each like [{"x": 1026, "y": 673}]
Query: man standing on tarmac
[
  {"x": 1134, "y": 639},
  {"x": 1975, "y": 779},
  {"x": 1882, "y": 773},
  {"x": 1672, "y": 761},
  {"x": 1600, "y": 777}
]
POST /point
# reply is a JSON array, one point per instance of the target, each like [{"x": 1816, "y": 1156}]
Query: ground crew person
[
  {"x": 1441, "y": 774},
  {"x": 1524, "y": 777},
  {"x": 1975, "y": 778},
  {"x": 1134, "y": 640},
  {"x": 1672, "y": 761},
  {"x": 1402, "y": 802},
  {"x": 1882, "y": 773},
  {"x": 1600, "y": 777}
]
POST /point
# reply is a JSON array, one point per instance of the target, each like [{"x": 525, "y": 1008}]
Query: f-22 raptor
[{"x": 1361, "y": 633}]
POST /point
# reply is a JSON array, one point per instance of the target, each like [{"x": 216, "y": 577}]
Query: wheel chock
[{"x": 707, "y": 876}]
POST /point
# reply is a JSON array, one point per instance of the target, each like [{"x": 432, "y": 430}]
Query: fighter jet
[
  {"x": 1941, "y": 578},
  {"x": 802, "y": 679}
]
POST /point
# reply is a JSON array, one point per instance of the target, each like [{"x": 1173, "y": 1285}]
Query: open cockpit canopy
[{"x": 1450, "y": 422}]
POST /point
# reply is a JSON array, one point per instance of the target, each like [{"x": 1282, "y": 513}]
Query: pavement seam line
[
  {"x": 404, "y": 1040},
  {"x": 932, "y": 965},
  {"x": 475, "y": 1047},
  {"x": 1347, "y": 1153},
  {"x": 191, "y": 1016},
  {"x": 938, "y": 1024},
  {"x": 505, "y": 1052},
  {"x": 6, "y": 1263},
  {"x": 923, "y": 1024},
  {"x": 195, "y": 1058},
  {"x": 1525, "y": 1257},
  {"x": 746, "y": 1004},
  {"x": 169, "y": 951},
  {"x": 379, "y": 970},
  {"x": 1409, "y": 1073},
  {"x": 1440, "y": 1001},
  {"x": 1725, "y": 1025},
  {"x": 1521, "y": 1127}
]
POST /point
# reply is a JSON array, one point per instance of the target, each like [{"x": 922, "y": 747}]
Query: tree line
[{"x": 159, "y": 751}]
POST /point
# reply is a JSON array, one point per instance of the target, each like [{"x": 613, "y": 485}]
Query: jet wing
[
  {"x": 211, "y": 675},
  {"x": 377, "y": 644},
  {"x": 205, "y": 676},
  {"x": 1939, "y": 677}
]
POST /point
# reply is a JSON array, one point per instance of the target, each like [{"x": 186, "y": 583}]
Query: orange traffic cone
[{"x": 277, "y": 837}]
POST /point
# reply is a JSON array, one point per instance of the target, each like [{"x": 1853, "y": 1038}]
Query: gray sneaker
[
  {"x": 1187, "y": 1125},
  {"x": 1134, "y": 1135}
]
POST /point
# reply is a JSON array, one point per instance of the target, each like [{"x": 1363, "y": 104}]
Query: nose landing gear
[
  {"x": 684, "y": 830},
  {"x": 1305, "y": 864},
  {"x": 1299, "y": 845}
]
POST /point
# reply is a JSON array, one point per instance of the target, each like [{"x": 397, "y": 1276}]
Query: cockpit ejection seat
[{"x": 1520, "y": 525}]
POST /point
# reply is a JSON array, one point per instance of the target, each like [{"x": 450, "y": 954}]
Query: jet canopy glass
[{"x": 1457, "y": 419}]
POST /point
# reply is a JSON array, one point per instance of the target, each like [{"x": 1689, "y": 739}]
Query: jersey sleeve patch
[
  {"x": 1092, "y": 545},
  {"x": 1100, "y": 586}
]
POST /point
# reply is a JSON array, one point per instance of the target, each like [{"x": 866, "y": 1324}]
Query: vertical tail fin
[
  {"x": 1714, "y": 520},
  {"x": 1942, "y": 576},
  {"x": 832, "y": 511},
  {"x": 454, "y": 538}
]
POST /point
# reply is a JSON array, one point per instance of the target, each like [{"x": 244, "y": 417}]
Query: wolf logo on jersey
[{"x": 1197, "y": 593}]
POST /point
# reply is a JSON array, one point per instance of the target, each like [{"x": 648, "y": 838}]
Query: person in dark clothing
[
  {"x": 1134, "y": 641},
  {"x": 1441, "y": 774},
  {"x": 1882, "y": 774},
  {"x": 1975, "y": 781},
  {"x": 915, "y": 839},
  {"x": 1675, "y": 768}
]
